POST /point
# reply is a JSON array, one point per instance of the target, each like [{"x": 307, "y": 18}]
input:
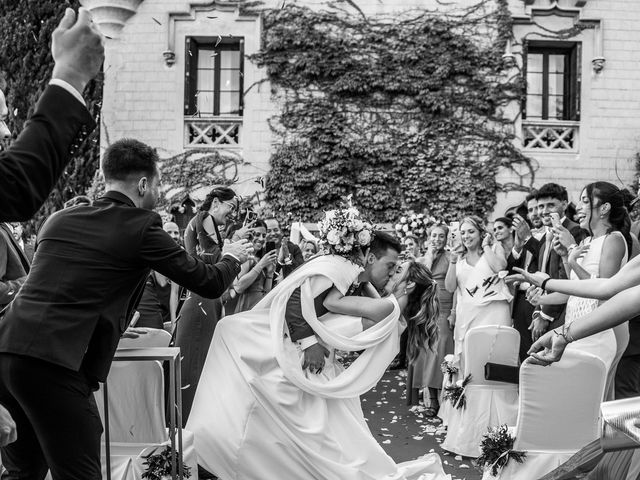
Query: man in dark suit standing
[
  {"x": 552, "y": 199},
  {"x": 60, "y": 123},
  {"x": 59, "y": 335}
]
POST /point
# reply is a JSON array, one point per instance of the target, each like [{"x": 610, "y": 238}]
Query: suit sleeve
[
  {"x": 8, "y": 288},
  {"x": 296, "y": 257},
  {"x": 579, "y": 234},
  {"x": 30, "y": 168},
  {"x": 161, "y": 253},
  {"x": 298, "y": 326}
]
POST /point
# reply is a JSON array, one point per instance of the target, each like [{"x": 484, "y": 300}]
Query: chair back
[
  {"x": 154, "y": 337},
  {"x": 560, "y": 404},
  {"x": 136, "y": 402},
  {"x": 490, "y": 343}
]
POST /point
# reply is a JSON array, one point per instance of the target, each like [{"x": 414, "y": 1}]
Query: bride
[{"x": 258, "y": 415}]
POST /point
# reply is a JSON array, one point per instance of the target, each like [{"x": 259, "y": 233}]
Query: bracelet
[
  {"x": 564, "y": 333},
  {"x": 571, "y": 247},
  {"x": 543, "y": 285}
]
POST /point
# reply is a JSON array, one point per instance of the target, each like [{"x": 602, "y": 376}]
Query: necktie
[{"x": 548, "y": 238}]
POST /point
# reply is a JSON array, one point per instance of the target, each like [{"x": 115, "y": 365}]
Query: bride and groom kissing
[{"x": 273, "y": 402}]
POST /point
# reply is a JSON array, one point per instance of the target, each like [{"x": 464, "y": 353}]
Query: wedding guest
[
  {"x": 199, "y": 315},
  {"x": 436, "y": 259},
  {"x": 255, "y": 279},
  {"x": 59, "y": 335},
  {"x": 309, "y": 248},
  {"x": 173, "y": 230},
  {"x": 503, "y": 233},
  {"x": 14, "y": 264},
  {"x": 603, "y": 214},
  {"x": 552, "y": 199},
  {"x": 154, "y": 306},
  {"x": 411, "y": 247},
  {"x": 289, "y": 254},
  {"x": 31, "y": 166},
  {"x": 482, "y": 297}
]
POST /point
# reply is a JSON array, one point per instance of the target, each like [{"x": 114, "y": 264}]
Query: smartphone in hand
[{"x": 555, "y": 219}]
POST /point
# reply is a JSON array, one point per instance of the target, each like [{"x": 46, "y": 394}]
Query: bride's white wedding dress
[{"x": 258, "y": 416}]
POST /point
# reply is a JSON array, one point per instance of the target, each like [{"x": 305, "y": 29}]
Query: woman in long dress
[
  {"x": 437, "y": 260},
  {"x": 199, "y": 316},
  {"x": 259, "y": 416},
  {"x": 601, "y": 211}
]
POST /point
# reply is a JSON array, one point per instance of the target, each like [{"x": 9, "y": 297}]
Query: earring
[{"x": 404, "y": 292}]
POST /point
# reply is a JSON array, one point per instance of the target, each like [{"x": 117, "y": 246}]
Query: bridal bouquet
[
  {"x": 343, "y": 229},
  {"x": 415, "y": 225},
  {"x": 449, "y": 366},
  {"x": 455, "y": 393}
]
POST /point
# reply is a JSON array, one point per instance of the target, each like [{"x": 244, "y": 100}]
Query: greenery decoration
[
  {"x": 497, "y": 449},
  {"x": 455, "y": 393},
  {"x": 25, "y": 39},
  {"x": 405, "y": 113},
  {"x": 159, "y": 465}
]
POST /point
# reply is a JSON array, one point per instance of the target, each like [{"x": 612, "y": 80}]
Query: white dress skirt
[{"x": 258, "y": 416}]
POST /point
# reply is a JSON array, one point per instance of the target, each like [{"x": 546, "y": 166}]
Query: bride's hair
[{"x": 422, "y": 310}]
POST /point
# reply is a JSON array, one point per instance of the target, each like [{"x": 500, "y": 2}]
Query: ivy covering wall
[
  {"x": 404, "y": 113},
  {"x": 25, "y": 59}
]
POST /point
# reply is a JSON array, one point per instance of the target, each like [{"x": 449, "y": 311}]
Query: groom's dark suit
[
  {"x": 58, "y": 337},
  {"x": 32, "y": 165}
]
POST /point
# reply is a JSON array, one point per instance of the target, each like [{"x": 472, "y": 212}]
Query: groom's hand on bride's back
[{"x": 314, "y": 356}]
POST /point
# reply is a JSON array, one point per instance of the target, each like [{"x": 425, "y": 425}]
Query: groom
[{"x": 380, "y": 264}]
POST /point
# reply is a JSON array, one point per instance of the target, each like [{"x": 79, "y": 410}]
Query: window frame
[
  {"x": 572, "y": 78},
  {"x": 218, "y": 44}
]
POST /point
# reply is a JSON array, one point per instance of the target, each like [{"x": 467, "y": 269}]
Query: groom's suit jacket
[
  {"x": 32, "y": 165},
  {"x": 298, "y": 326},
  {"x": 87, "y": 278}
]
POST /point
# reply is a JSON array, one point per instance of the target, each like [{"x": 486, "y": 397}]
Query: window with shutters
[{"x": 213, "y": 103}]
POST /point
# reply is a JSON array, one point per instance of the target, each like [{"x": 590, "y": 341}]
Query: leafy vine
[{"x": 405, "y": 113}]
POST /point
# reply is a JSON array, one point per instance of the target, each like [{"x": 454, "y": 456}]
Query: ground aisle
[{"x": 406, "y": 434}]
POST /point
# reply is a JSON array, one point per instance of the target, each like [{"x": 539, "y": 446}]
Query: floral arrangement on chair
[
  {"x": 415, "y": 225},
  {"x": 159, "y": 465},
  {"x": 344, "y": 232},
  {"x": 449, "y": 367},
  {"x": 497, "y": 450},
  {"x": 455, "y": 393}
]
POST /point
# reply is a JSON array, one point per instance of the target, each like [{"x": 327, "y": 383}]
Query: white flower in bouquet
[
  {"x": 330, "y": 215},
  {"x": 414, "y": 224},
  {"x": 459, "y": 383},
  {"x": 420, "y": 216},
  {"x": 405, "y": 228},
  {"x": 403, "y": 219},
  {"x": 349, "y": 239},
  {"x": 358, "y": 225},
  {"x": 364, "y": 237},
  {"x": 352, "y": 212},
  {"x": 449, "y": 357},
  {"x": 333, "y": 237},
  {"x": 398, "y": 227}
]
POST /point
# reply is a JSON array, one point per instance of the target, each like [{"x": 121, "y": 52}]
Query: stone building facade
[{"x": 175, "y": 72}]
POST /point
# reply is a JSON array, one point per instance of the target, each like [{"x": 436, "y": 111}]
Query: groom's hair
[{"x": 382, "y": 242}]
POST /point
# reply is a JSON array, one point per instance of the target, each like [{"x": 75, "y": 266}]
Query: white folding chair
[
  {"x": 137, "y": 424},
  {"x": 488, "y": 403},
  {"x": 558, "y": 414},
  {"x": 153, "y": 337}
]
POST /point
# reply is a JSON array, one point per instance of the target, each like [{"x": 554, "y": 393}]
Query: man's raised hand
[
  {"x": 77, "y": 48},
  {"x": 240, "y": 249}
]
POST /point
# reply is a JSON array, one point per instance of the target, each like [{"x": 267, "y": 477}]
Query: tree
[{"x": 25, "y": 59}]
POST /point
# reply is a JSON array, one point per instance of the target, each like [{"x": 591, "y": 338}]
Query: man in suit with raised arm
[
  {"x": 59, "y": 335},
  {"x": 32, "y": 165},
  {"x": 552, "y": 198}
]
